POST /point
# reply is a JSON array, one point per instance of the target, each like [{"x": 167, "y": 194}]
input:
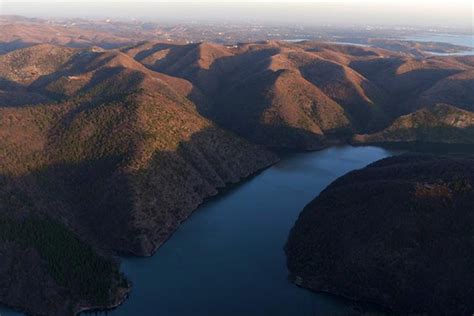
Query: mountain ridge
[{"x": 119, "y": 146}]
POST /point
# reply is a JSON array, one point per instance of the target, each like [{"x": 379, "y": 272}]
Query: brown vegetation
[{"x": 121, "y": 145}]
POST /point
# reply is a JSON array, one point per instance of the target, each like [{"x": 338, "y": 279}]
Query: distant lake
[{"x": 463, "y": 40}]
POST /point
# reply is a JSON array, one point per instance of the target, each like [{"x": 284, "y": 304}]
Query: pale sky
[{"x": 455, "y": 13}]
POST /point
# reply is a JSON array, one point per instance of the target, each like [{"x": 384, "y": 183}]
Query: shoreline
[
  {"x": 221, "y": 192},
  {"x": 92, "y": 309}
]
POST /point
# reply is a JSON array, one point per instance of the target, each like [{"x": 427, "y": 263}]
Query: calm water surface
[
  {"x": 228, "y": 258},
  {"x": 463, "y": 40}
]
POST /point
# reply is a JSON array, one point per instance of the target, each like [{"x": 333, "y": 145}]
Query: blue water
[
  {"x": 462, "y": 40},
  {"x": 228, "y": 258},
  {"x": 7, "y": 312},
  {"x": 466, "y": 40}
]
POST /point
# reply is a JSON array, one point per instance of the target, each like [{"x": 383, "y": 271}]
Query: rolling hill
[
  {"x": 309, "y": 94},
  {"x": 436, "y": 124},
  {"x": 116, "y": 153},
  {"x": 114, "y": 148}
]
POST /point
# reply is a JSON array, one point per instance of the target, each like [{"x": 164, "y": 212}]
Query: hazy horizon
[{"x": 433, "y": 13}]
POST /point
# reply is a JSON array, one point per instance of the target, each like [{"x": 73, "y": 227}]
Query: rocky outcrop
[{"x": 397, "y": 233}]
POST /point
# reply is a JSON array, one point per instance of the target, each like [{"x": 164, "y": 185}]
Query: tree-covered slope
[
  {"x": 397, "y": 233},
  {"x": 120, "y": 156}
]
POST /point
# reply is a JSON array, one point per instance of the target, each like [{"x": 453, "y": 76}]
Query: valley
[{"x": 110, "y": 140}]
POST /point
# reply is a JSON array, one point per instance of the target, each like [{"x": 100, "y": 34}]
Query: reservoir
[
  {"x": 461, "y": 39},
  {"x": 228, "y": 257}
]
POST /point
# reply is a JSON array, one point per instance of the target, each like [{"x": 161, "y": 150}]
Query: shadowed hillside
[
  {"x": 114, "y": 148},
  {"x": 128, "y": 120},
  {"x": 115, "y": 153},
  {"x": 401, "y": 236},
  {"x": 47, "y": 269}
]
